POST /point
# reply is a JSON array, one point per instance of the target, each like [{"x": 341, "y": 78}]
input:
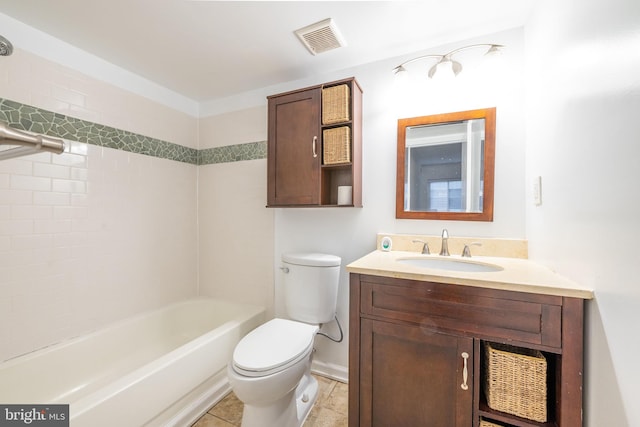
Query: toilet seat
[{"x": 273, "y": 347}]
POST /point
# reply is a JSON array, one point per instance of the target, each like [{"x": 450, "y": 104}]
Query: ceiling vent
[{"x": 321, "y": 36}]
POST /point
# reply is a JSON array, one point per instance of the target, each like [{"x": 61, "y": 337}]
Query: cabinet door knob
[
  {"x": 465, "y": 371},
  {"x": 313, "y": 145}
]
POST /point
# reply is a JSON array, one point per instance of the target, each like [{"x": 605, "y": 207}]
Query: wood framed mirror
[{"x": 445, "y": 166}]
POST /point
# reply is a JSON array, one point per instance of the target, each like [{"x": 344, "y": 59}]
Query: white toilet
[{"x": 271, "y": 367}]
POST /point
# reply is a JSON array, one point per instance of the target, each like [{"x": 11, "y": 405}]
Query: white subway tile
[
  {"x": 18, "y": 197},
  {"x": 15, "y": 227},
  {"x": 32, "y": 241},
  {"x": 4, "y": 180},
  {"x": 69, "y": 96},
  {"x": 69, "y": 186},
  {"x": 70, "y": 239},
  {"x": 25, "y": 182},
  {"x": 87, "y": 225},
  {"x": 35, "y": 86},
  {"x": 70, "y": 212},
  {"x": 79, "y": 200},
  {"x": 17, "y": 94},
  {"x": 80, "y": 174},
  {"x": 16, "y": 166},
  {"x": 43, "y": 198},
  {"x": 42, "y": 157},
  {"x": 5, "y": 212},
  {"x": 5, "y": 244},
  {"x": 51, "y": 171},
  {"x": 7, "y": 325},
  {"x": 13, "y": 259},
  {"x": 47, "y": 102},
  {"x": 4, "y": 77},
  {"x": 52, "y": 226},
  {"x": 76, "y": 147},
  {"x": 30, "y": 277},
  {"x": 84, "y": 114},
  {"x": 69, "y": 159},
  {"x": 31, "y": 212}
]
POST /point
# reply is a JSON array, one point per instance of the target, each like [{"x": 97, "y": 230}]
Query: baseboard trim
[{"x": 330, "y": 370}]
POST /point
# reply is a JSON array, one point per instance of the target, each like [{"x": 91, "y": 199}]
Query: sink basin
[{"x": 450, "y": 264}]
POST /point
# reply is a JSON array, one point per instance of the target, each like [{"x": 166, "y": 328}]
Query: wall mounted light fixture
[{"x": 445, "y": 62}]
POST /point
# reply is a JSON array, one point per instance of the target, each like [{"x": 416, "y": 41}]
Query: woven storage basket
[
  {"x": 516, "y": 381},
  {"x": 335, "y": 104},
  {"x": 336, "y": 143},
  {"x": 485, "y": 423}
]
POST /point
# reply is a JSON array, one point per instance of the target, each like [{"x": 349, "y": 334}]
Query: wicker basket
[
  {"x": 485, "y": 423},
  {"x": 336, "y": 143},
  {"x": 516, "y": 381},
  {"x": 335, "y": 104}
]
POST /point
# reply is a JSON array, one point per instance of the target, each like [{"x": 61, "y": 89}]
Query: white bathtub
[{"x": 160, "y": 368}]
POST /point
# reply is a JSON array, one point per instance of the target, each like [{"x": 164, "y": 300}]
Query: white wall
[
  {"x": 583, "y": 81},
  {"x": 350, "y": 232},
  {"x": 232, "y": 196},
  {"x": 95, "y": 234}
]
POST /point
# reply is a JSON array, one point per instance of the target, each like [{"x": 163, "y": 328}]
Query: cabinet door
[
  {"x": 294, "y": 149},
  {"x": 412, "y": 376}
]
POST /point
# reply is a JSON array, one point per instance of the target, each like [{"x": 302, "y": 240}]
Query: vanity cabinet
[
  {"x": 416, "y": 359},
  {"x": 299, "y": 171},
  {"x": 412, "y": 378}
]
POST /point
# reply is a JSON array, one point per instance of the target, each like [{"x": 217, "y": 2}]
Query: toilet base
[
  {"x": 289, "y": 411},
  {"x": 306, "y": 396}
]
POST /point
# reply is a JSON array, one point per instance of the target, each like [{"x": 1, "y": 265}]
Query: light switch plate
[{"x": 537, "y": 190}]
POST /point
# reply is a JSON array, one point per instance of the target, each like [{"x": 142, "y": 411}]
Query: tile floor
[{"x": 330, "y": 410}]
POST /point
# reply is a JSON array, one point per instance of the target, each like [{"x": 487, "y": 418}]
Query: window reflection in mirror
[{"x": 445, "y": 166}]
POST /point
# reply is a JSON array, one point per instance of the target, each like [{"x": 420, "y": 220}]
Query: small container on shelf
[
  {"x": 486, "y": 423},
  {"x": 335, "y": 104},
  {"x": 336, "y": 143},
  {"x": 516, "y": 381}
]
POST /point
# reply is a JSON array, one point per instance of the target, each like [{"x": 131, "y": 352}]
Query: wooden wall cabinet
[
  {"x": 297, "y": 174},
  {"x": 415, "y": 354}
]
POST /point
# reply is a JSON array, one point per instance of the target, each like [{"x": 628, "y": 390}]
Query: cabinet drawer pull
[
  {"x": 315, "y": 142},
  {"x": 465, "y": 371}
]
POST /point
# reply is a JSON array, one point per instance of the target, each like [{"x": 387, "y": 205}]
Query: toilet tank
[{"x": 311, "y": 286}]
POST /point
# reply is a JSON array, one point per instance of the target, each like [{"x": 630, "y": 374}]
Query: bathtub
[{"x": 165, "y": 367}]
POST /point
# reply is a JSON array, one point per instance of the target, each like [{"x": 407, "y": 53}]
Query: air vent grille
[{"x": 321, "y": 36}]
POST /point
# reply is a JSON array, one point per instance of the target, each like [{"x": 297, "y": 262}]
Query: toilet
[{"x": 271, "y": 367}]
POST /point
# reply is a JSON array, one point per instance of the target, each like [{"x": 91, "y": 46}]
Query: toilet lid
[{"x": 272, "y": 346}]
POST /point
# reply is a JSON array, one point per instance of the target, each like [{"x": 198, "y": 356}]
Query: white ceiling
[{"x": 207, "y": 50}]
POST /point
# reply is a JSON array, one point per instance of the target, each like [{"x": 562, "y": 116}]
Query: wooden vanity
[{"x": 417, "y": 338}]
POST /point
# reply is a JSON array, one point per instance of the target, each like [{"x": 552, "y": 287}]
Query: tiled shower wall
[{"x": 97, "y": 233}]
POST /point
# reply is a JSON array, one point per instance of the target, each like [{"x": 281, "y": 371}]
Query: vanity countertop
[{"x": 520, "y": 275}]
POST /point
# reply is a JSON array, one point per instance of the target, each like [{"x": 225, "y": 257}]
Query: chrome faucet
[
  {"x": 444, "y": 250},
  {"x": 466, "y": 252},
  {"x": 425, "y": 246}
]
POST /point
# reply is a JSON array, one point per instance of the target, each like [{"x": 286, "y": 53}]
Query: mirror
[{"x": 445, "y": 166}]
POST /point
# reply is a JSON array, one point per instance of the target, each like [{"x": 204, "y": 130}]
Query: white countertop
[{"x": 520, "y": 275}]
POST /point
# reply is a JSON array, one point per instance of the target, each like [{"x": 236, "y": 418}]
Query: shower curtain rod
[{"x": 29, "y": 143}]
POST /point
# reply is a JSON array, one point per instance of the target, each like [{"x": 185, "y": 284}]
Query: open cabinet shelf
[{"x": 308, "y": 159}]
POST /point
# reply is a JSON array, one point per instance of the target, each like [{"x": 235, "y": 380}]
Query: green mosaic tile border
[
  {"x": 32, "y": 119},
  {"x": 233, "y": 153}
]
